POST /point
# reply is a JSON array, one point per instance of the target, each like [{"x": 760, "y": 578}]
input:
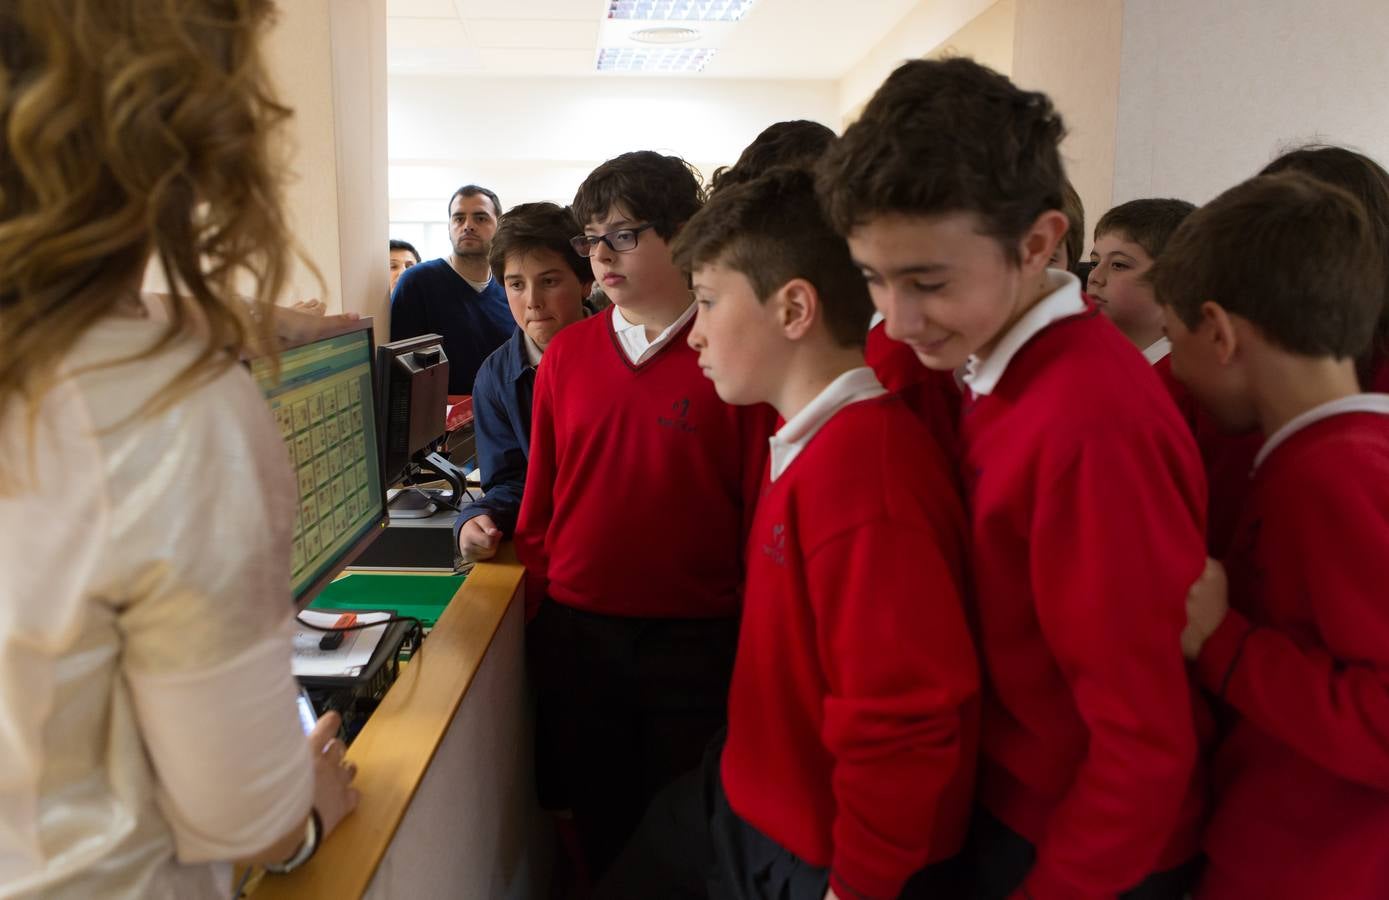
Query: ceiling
[{"x": 777, "y": 39}]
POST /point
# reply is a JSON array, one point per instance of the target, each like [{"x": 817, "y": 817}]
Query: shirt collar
[
  {"x": 533, "y": 351},
  {"x": 620, "y": 323},
  {"x": 1157, "y": 351},
  {"x": 982, "y": 375},
  {"x": 851, "y": 387},
  {"x": 633, "y": 337},
  {"x": 1370, "y": 403}
]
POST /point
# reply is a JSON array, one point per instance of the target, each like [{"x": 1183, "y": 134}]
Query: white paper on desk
[{"x": 352, "y": 654}]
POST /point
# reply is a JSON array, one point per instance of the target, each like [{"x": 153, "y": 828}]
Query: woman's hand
[{"x": 333, "y": 794}]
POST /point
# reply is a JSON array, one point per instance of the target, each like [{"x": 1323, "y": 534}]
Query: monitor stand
[
  {"x": 419, "y": 503},
  {"x": 412, "y": 503}
]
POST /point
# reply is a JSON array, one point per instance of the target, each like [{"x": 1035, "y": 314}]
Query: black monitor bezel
[
  {"x": 333, "y": 330},
  {"x": 397, "y": 349}
]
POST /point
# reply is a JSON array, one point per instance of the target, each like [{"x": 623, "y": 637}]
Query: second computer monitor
[{"x": 414, "y": 389}]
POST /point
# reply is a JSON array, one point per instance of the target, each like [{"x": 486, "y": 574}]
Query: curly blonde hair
[{"x": 131, "y": 129}]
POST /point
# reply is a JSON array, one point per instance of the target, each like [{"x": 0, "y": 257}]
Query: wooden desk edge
[{"x": 398, "y": 743}]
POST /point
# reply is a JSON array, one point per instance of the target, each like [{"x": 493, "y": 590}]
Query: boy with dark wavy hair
[{"x": 1086, "y": 491}]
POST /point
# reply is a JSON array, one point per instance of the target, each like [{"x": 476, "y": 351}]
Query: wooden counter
[{"x": 444, "y": 767}]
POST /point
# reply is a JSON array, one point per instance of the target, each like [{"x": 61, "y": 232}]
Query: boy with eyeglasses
[{"x": 638, "y": 499}]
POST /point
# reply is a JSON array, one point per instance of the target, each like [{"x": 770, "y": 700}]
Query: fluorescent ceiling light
[
  {"x": 653, "y": 59},
  {"x": 680, "y": 10},
  {"x": 665, "y": 34}
]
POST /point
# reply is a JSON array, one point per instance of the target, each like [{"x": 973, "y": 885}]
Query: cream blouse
[{"x": 147, "y": 721}]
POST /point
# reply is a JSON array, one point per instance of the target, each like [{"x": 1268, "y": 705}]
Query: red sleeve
[
  {"x": 1116, "y": 543},
  {"x": 538, "y": 500},
  {"x": 900, "y": 666},
  {"x": 1328, "y": 697}
]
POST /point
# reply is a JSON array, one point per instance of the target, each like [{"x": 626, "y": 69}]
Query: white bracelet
[{"x": 313, "y": 832}]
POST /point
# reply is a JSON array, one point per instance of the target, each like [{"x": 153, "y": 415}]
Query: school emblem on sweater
[
  {"x": 776, "y": 550},
  {"x": 678, "y": 419}
]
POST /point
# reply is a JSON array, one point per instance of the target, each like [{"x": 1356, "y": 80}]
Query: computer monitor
[
  {"x": 413, "y": 376},
  {"x": 325, "y": 404},
  {"x": 414, "y": 390}
]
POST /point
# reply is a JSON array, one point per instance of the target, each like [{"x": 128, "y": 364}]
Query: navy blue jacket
[
  {"x": 502, "y": 399},
  {"x": 432, "y": 298}
]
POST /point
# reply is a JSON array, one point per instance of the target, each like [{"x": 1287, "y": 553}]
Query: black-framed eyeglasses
[{"x": 619, "y": 241}]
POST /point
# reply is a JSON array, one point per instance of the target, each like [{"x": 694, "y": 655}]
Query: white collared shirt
[
  {"x": 1157, "y": 351},
  {"x": 851, "y": 387},
  {"x": 1370, "y": 403},
  {"x": 981, "y": 375},
  {"x": 633, "y": 337},
  {"x": 533, "y": 351}
]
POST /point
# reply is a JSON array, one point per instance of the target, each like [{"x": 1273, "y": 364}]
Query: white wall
[
  {"x": 928, "y": 26},
  {"x": 1210, "y": 92},
  {"x": 1071, "y": 49},
  {"x": 536, "y": 139},
  {"x": 328, "y": 59}
]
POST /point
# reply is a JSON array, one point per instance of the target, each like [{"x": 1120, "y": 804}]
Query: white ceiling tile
[
  {"x": 539, "y": 34},
  {"x": 423, "y": 34},
  {"x": 422, "y": 9},
  {"x": 553, "y": 10},
  {"x": 538, "y": 63},
  {"x": 777, "y": 39}
]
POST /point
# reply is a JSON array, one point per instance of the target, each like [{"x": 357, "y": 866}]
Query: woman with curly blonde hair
[{"x": 147, "y": 725}]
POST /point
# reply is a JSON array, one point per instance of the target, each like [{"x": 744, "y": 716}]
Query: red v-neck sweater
[
  {"x": 641, "y": 481},
  {"x": 853, "y": 715},
  {"x": 1302, "y": 659}
]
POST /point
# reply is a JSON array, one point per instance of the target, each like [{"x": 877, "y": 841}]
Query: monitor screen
[{"x": 326, "y": 409}]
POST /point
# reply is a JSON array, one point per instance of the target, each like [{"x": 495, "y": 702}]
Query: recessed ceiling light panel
[
  {"x": 679, "y": 10},
  {"x": 665, "y": 34},
  {"x": 660, "y": 60}
]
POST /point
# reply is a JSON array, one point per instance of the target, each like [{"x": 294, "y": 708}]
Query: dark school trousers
[
  {"x": 691, "y": 845},
  {"x": 623, "y": 707},
  {"x": 1002, "y": 858}
]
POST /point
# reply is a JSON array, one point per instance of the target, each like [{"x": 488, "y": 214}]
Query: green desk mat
[{"x": 420, "y": 596}]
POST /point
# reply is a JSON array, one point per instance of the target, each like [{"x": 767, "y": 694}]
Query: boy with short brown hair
[
  {"x": 1272, "y": 291},
  {"x": 1128, "y": 239}
]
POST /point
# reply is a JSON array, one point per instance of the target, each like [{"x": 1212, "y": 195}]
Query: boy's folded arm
[
  {"x": 1334, "y": 713},
  {"x": 1329, "y": 700},
  {"x": 1111, "y": 605},
  {"x": 900, "y": 667}
]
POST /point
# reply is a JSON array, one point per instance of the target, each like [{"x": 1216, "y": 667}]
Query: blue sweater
[
  {"x": 432, "y": 298},
  {"x": 502, "y": 399}
]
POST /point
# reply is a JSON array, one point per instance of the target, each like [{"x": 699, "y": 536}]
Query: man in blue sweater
[
  {"x": 546, "y": 281},
  {"x": 456, "y": 296}
]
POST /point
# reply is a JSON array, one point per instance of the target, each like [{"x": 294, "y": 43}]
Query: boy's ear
[
  {"x": 797, "y": 306},
  {"x": 1039, "y": 242},
  {"x": 1217, "y": 328}
]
